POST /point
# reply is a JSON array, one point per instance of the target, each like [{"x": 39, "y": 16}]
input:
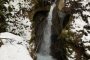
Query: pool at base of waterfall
[{"x": 44, "y": 57}]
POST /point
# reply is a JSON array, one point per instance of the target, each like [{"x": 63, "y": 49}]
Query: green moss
[
  {"x": 32, "y": 22},
  {"x": 32, "y": 37},
  {"x": 10, "y": 9},
  {"x": 68, "y": 35},
  {"x": 64, "y": 32},
  {"x": 2, "y": 17},
  {"x": 1, "y": 43},
  {"x": 69, "y": 23}
]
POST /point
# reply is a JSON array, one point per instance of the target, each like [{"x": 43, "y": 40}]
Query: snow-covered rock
[
  {"x": 14, "y": 52},
  {"x": 76, "y": 34},
  {"x": 14, "y": 47}
]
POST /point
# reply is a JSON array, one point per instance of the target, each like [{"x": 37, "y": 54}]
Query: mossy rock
[
  {"x": 70, "y": 40},
  {"x": 32, "y": 41},
  {"x": 32, "y": 37},
  {"x": 68, "y": 35},
  {"x": 1, "y": 43}
]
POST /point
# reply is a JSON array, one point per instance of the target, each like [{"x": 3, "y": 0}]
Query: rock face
[
  {"x": 73, "y": 42},
  {"x": 38, "y": 6},
  {"x": 39, "y": 33},
  {"x": 61, "y": 4}
]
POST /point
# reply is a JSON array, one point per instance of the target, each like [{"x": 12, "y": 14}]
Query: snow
[
  {"x": 17, "y": 4},
  {"x": 89, "y": 20},
  {"x": 10, "y": 36},
  {"x": 14, "y": 52},
  {"x": 86, "y": 44},
  {"x": 19, "y": 23},
  {"x": 78, "y": 25},
  {"x": 73, "y": 55},
  {"x": 70, "y": 54},
  {"x": 84, "y": 2},
  {"x": 87, "y": 13},
  {"x": 87, "y": 52},
  {"x": 14, "y": 48},
  {"x": 21, "y": 27},
  {"x": 86, "y": 38}
]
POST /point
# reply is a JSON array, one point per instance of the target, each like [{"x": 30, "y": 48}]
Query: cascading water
[{"x": 44, "y": 51}]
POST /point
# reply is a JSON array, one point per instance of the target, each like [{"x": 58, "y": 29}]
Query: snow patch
[
  {"x": 80, "y": 24},
  {"x": 77, "y": 23},
  {"x": 87, "y": 52},
  {"x": 19, "y": 23},
  {"x": 14, "y": 52},
  {"x": 14, "y": 48},
  {"x": 71, "y": 55}
]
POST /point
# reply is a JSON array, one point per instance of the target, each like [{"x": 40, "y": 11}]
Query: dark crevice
[
  {"x": 66, "y": 20},
  {"x": 40, "y": 16}
]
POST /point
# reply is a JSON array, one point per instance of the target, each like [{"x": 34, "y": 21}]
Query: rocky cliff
[{"x": 73, "y": 42}]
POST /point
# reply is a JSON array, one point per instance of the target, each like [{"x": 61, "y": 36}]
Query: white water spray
[{"x": 44, "y": 51}]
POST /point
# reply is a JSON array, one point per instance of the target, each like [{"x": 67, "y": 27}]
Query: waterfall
[{"x": 44, "y": 51}]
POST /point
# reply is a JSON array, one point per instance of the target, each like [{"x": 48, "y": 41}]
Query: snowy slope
[
  {"x": 14, "y": 48},
  {"x": 14, "y": 52}
]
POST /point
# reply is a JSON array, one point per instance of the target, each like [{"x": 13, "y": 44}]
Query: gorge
[{"x": 44, "y": 30}]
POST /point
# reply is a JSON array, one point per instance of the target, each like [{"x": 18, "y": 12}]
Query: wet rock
[
  {"x": 54, "y": 30},
  {"x": 39, "y": 33}
]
